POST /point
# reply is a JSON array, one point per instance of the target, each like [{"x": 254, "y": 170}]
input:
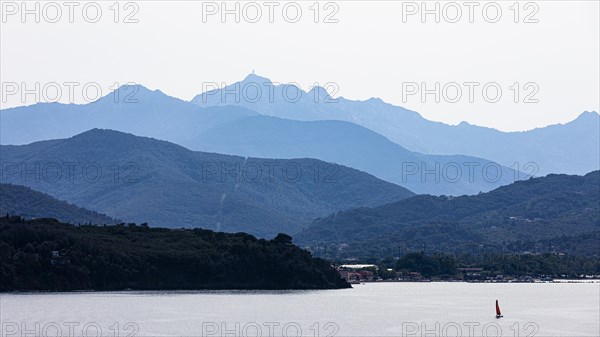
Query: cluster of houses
[{"x": 357, "y": 273}]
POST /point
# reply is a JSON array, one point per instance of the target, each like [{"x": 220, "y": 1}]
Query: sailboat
[{"x": 498, "y": 313}]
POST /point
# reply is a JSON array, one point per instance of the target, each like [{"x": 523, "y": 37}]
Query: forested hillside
[
  {"x": 139, "y": 179},
  {"x": 44, "y": 254},
  {"x": 513, "y": 217},
  {"x": 25, "y": 202}
]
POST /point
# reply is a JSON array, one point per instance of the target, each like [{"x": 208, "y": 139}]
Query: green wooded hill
[
  {"x": 139, "y": 179},
  {"x": 44, "y": 254},
  {"x": 25, "y": 202},
  {"x": 525, "y": 215}
]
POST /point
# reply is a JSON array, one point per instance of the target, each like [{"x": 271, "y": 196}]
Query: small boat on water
[{"x": 498, "y": 313}]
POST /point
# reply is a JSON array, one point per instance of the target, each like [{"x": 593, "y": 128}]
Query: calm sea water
[{"x": 375, "y": 309}]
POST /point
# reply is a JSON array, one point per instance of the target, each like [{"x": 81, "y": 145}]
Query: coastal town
[{"x": 361, "y": 273}]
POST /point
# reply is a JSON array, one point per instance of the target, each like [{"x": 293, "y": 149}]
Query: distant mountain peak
[
  {"x": 252, "y": 77},
  {"x": 588, "y": 115},
  {"x": 133, "y": 93},
  {"x": 320, "y": 92},
  {"x": 97, "y": 133},
  {"x": 586, "y": 118},
  {"x": 135, "y": 87},
  {"x": 168, "y": 184}
]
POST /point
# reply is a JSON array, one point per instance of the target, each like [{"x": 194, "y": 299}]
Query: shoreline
[
  {"x": 270, "y": 291},
  {"x": 594, "y": 280}
]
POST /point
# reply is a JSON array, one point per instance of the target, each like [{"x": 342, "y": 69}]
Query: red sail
[{"x": 497, "y": 309}]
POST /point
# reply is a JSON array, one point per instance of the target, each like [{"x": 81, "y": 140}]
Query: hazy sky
[{"x": 375, "y": 49}]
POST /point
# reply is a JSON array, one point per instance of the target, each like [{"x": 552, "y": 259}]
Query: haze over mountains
[
  {"x": 572, "y": 148},
  {"x": 139, "y": 179},
  {"x": 551, "y": 208},
  {"x": 239, "y": 131},
  {"x": 354, "y": 146},
  {"x": 270, "y": 165},
  {"x": 134, "y": 109}
]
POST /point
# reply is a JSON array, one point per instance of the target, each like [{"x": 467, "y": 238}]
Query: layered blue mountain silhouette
[
  {"x": 572, "y": 148},
  {"x": 240, "y": 131},
  {"x": 555, "y": 208},
  {"x": 140, "y": 179},
  {"x": 266, "y": 158},
  {"x": 134, "y": 109},
  {"x": 352, "y": 145}
]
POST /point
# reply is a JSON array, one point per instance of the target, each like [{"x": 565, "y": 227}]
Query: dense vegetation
[
  {"x": 514, "y": 265},
  {"x": 140, "y": 179},
  {"x": 23, "y": 201},
  {"x": 44, "y": 254},
  {"x": 556, "y": 213},
  {"x": 581, "y": 244}
]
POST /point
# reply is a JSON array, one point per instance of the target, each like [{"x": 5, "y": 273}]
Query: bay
[{"x": 372, "y": 309}]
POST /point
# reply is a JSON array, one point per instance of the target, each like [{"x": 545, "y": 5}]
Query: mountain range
[
  {"x": 147, "y": 113},
  {"x": 375, "y": 152},
  {"x": 572, "y": 148},
  {"x": 354, "y": 146},
  {"x": 546, "y": 208},
  {"x": 140, "y": 179},
  {"x": 240, "y": 131}
]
